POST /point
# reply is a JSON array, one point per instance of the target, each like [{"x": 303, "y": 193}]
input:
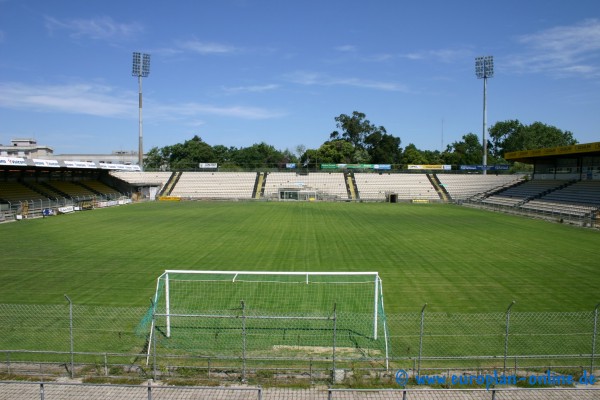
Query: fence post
[
  {"x": 506, "y": 333},
  {"x": 153, "y": 336},
  {"x": 595, "y": 332},
  {"x": 71, "y": 333},
  {"x": 334, "y": 341},
  {"x": 421, "y": 339},
  {"x": 149, "y": 390},
  {"x": 243, "y": 341},
  {"x": 42, "y": 391}
]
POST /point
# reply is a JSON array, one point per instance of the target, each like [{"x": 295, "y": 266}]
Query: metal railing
[
  {"x": 460, "y": 394},
  {"x": 35, "y": 207},
  {"x": 557, "y": 215},
  {"x": 17, "y": 390},
  {"x": 64, "y": 390}
]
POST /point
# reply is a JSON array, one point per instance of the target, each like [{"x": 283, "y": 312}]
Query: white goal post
[
  {"x": 224, "y": 313},
  {"x": 164, "y": 285}
]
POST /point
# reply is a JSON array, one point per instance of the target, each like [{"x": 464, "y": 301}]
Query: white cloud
[
  {"x": 88, "y": 99},
  {"x": 200, "y": 47},
  {"x": 312, "y": 78},
  {"x": 378, "y": 57},
  {"x": 443, "y": 55},
  {"x": 102, "y": 28},
  {"x": 195, "y": 46},
  {"x": 346, "y": 48},
  {"x": 562, "y": 50},
  {"x": 198, "y": 109},
  {"x": 369, "y": 84},
  {"x": 253, "y": 88},
  {"x": 305, "y": 78},
  {"x": 104, "y": 101},
  {"x": 353, "y": 53}
]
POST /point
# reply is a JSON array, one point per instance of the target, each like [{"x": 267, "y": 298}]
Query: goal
[{"x": 272, "y": 313}]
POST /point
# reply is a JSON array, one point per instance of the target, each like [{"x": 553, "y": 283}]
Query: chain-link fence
[
  {"x": 499, "y": 340},
  {"x": 113, "y": 341}
]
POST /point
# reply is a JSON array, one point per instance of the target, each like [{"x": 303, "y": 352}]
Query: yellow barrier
[{"x": 169, "y": 198}]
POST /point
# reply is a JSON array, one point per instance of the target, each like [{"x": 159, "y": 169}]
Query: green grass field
[{"x": 454, "y": 258}]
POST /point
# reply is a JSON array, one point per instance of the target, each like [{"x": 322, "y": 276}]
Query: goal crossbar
[{"x": 292, "y": 273}]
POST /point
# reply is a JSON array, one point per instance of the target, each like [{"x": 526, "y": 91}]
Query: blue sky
[{"x": 239, "y": 72}]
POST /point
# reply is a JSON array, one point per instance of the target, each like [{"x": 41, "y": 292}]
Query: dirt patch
[{"x": 320, "y": 350}]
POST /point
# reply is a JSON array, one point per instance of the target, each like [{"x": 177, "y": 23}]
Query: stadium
[{"x": 343, "y": 275}]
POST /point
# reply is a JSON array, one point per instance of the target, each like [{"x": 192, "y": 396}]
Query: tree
[
  {"x": 258, "y": 155},
  {"x": 469, "y": 151},
  {"x": 383, "y": 148},
  {"x": 223, "y": 154},
  {"x": 190, "y": 153},
  {"x": 309, "y": 158},
  {"x": 300, "y": 150},
  {"x": 433, "y": 156},
  {"x": 500, "y": 133},
  {"x": 336, "y": 151},
  {"x": 355, "y": 129},
  {"x": 512, "y": 135},
  {"x": 155, "y": 159},
  {"x": 412, "y": 155}
]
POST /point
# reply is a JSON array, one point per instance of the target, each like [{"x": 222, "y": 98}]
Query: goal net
[{"x": 225, "y": 313}]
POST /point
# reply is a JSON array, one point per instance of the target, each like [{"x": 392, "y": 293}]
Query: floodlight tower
[
  {"x": 484, "y": 68},
  {"x": 141, "y": 69}
]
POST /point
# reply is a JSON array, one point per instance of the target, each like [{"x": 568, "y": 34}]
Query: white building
[
  {"x": 26, "y": 148},
  {"x": 29, "y": 149},
  {"x": 116, "y": 157}
]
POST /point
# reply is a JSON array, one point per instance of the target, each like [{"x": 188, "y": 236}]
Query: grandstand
[
  {"x": 565, "y": 181},
  {"x": 405, "y": 186},
  {"x": 575, "y": 198},
  {"x": 572, "y": 198},
  {"x": 565, "y": 184},
  {"x": 32, "y": 189},
  {"x": 145, "y": 178},
  {"x": 586, "y": 193},
  {"x": 101, "y": 188},
  {"x": 329, "y": 184},
  {"x": 519, "y": 194},
  {"x": 461, "y": 186},
  {"x": 215, "y": 185},
  {"x": 14, "y": 192}
]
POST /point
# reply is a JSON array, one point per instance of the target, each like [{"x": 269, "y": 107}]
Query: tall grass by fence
[{"x": 76, "y": 335}]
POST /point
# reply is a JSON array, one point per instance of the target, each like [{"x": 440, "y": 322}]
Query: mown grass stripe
[{"x": 454, "y": 258}]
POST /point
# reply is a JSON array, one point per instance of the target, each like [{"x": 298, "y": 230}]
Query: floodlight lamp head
[
  {"x": 141, "y": 64},
  {"x": 484, "y": 67}
]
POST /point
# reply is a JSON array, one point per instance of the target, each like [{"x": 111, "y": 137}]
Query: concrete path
[{"x": 77, "y": 391}]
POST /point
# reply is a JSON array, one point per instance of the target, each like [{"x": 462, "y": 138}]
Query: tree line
[{"x": 358, "y": 141}]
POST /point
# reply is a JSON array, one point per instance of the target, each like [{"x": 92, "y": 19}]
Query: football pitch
[{"x": 453, "y": 258}]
